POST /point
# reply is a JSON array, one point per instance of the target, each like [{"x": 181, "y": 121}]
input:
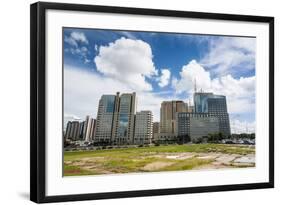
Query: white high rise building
[
  {"x": 143, "y": 127},
  {"x": 88, "y": 129}
]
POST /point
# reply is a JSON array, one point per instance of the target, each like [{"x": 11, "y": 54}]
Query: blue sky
[{"x": 158, "y": 66}]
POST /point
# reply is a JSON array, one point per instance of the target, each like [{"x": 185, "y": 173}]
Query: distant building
[
  {"x": 156, "y": 129},
  {"x": 192, "y": 126},
  {"x": 67, "y": 131},
  {"x": 87, "y": 128},
  {"x": 143, "y": 127},
  {"x": 168, "y": 115},
  {"x": 75, "y": 130},
  {"x": 216, "y": 106},
  {"x": 165, "y": 138},
  {"x": 118, "y": 123},
  {"x": 93, "y": 129},
  {"x": 81, "y": 129},
  {"x": 72, "y": 130},
  {"x": 190, "y": 109}
]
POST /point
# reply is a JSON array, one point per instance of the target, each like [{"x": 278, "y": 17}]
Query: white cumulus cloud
[
  {"x": 83, "y": 89},
  {"x": 239, "y": 127},
  {"x": 96, "y": 47},
  {"x": 164, "y": 79},
  {"x": 128, "y": 61},
  {"x": 75, "y": 49},
  {"x": 76, "y": 37},
  {"x": 189, "y": 74},
  {"x": 240, "y": 93},
  {"x": 229, "y": 55}
]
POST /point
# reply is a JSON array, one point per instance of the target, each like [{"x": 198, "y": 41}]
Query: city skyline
[
  {"x": 119, "y": 123},
  {"x": 159, "y": 67}
]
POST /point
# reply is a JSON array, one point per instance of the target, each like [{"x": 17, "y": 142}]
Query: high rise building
[
  {"x": 168, "y": 115},
  {"x": 105, "y": 117},
  {"x": 116, "y": 119},
  {"x": 201, "y": 101},
  {"x": 156, "y": 129},
  {"x": 75, "y": 130},
  {"x": 93, "y": 130},
  {"x": 216, "y": 106},
  {"x": 143, "y": 127},
  {"x": 67, "y": 131},
  {"x": 87, "y": 127},
  {"x": 192, "y": 126},
  {"x": 81, "y": 129},
  {"x": 72, "y": 130},
  {"x": 124, "y": 118}
]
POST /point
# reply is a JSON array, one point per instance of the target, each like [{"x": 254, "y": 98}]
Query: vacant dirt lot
[{"x": 162, "y": 158}]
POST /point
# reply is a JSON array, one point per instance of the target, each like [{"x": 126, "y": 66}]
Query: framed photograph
[{"x": 129, "y": 102}]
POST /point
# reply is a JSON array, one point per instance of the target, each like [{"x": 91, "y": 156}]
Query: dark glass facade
[
  {"x": 124, "y": 116},
  {"x": 216, "y": 106},
  {"x": 201, "y": 102},
  {"x": 105, "y": 118},
  {"x": 192, "y": 126}
]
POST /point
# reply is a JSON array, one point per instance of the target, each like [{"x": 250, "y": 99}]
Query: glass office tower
[
  {"x": 124, "y": 118},
  {"x": 105, "y": 117},
  {"x": 216, "y": 106}
]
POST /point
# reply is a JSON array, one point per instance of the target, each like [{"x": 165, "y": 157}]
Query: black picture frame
[{"x": 38, "y": 101}]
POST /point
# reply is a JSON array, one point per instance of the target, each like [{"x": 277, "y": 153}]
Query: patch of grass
[
  {"x": 119, "y": 165},
  {"x": 187, "y": 164},
  {"x": 70, "y": 170},
  {"x": 131, "y": 152},
  {"x": 125, "y": 160}
]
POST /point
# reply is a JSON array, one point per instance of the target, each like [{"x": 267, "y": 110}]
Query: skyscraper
[
  {"x": 156, "y": 129},
  {"x": 124, "y": 118},
  {"x": 116, "y": 119},
  {"x": 143, "y": 127},
  {"x": 216, "y": 106},
  {"x": 201, "y": 101},
  {"x": 168, "y": 115},
  {"x": 81, "y": 129},
  {"x": 93, "y": 129},
  {"x": 105, "y": 119},
  {"x": 86, "y": 129},
  {"x": 67, "y": 131},
  {"x": 72, "y": 130}
]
